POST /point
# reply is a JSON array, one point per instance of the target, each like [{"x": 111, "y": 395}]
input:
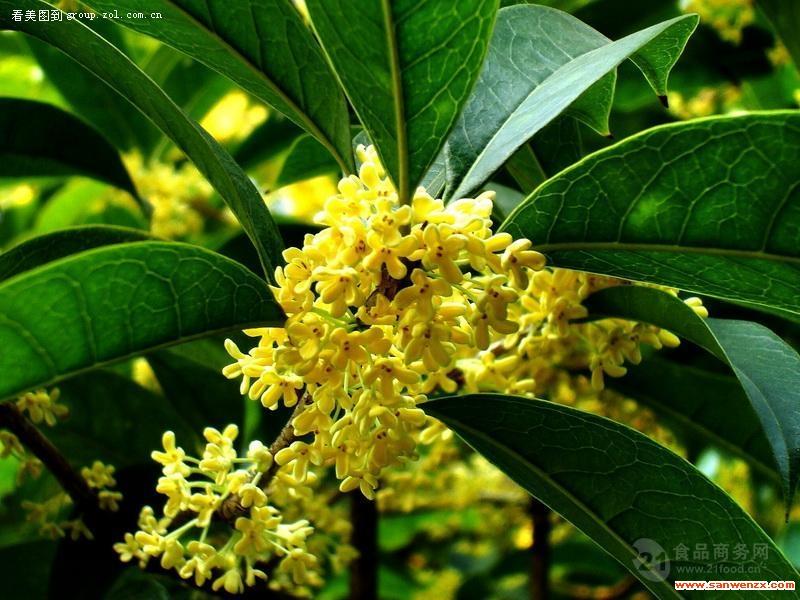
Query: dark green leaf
[
  {"x": 114, "y": 420},
  {"x": 558, "y": 145},
  {"x": 109, "y": 64},
  {"x": 408, "y": 68},
  {"x": 267, "y": 141},
  {"x": 768, "y": 369},
  {"x": 710, "y": 206},
  {"x": 623, "y": 490},
  {"x": 262, "y": 46},
  {"x": 93, "y": 100},
  {"x": 562, "y": 58},
  {"x": 26, "y": 569},
  {"x": 526, "y": 170},
  {"x": 100, "y": 306},
  {"x": 710, "y": 407},
  {"x": 42, "y": 140},
  {"x": 192, "y": 380},
  {"x": 51, "y": 246},
  {"x": 134, "y": 584},
  {"x": 307, "y": 158}
]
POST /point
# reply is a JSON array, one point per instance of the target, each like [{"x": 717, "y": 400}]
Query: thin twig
[
  {"x": 284, "y": 440},
  {"x": 74, "y": 484}
]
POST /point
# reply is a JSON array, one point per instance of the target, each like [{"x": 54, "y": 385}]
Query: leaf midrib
[
  {"x": 299, "y": 113},
  {"x": 399, "y": 105},
  {"x": 538, "y": 472}
]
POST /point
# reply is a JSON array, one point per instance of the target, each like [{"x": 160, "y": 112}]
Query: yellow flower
[
  {"x": 99, "y": 475},
  {"x": 389, "y": 255},
  {"x": 442, "y": 249},
  {"x": 43, "y": 406},
  {"x": 422, "y": 293},
  {"x": 129, "y": 549},
  {"x": 516, "y": 256},
  {"x": 172, "y": 457}
]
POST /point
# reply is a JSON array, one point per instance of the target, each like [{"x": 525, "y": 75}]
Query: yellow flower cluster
[
  {"x": 234, "y": 117},
  {"x": 328, "y": 513},
  {"x": 446, "y": 477},
  {"x": 179, "y": 197},
  {"x": 100, "y": 477},
  {"x": 706, "y": 102},
  {"x": 728, "y": 17},
  {"x": 196, "y": 489},
  {"x": 379, "y": 304},
  {"x": 549, "y": 341},
  {"x": 42, "y": 406}
]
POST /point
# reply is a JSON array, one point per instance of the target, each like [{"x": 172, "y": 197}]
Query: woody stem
[{"x": 82, "y": 495}]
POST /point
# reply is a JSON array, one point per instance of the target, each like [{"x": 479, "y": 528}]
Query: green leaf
[
  {"x": 709, "y": 206},
  {"x": 558, "y": 145},
  {"x": 110, "y": 303},
  {"x": 191, "y": 377},
  {"x": 307, "y": 158},
  {"x": 710, "y": 407},
  {"x": 58, "y": 244},
  {"x": 626, "y": 492},
  {"x": 562, "y": 58},
  {"x": 191, "y": 85},
  {"x": 114, "y": 68},
  {"x": 92, "y": 100},
  {"x": 134, "y": 584},
  {"x": 267, "y": 141},
  {"x": 408, "y": 68},
  {"x": 261, "y": 45},
  {"x": 115, "y": 420},
  {"x": 41, "y": 140},
  {"x": 768, "y": 369},
  {"x": 26, "y": 569},
  {"x": 82, "y": 201}
]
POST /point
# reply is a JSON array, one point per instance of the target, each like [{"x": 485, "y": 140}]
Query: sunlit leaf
[
  {"x": 408, "y": 68},
  {"x": 247, "y": 42},
  {"x": 562, "y": 58},
  {"x": 100, "y": 306},
  {"x": 709, "y": 206}
]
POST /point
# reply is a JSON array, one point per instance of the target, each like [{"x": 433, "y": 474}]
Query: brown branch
[
  {"x": 285, "y": 438},
  {"x": 364, "y": 569},
  {"x": 540, "y": 551},
  {"x": 231, "y": 508},
  {"x": 74, "y": 484}
]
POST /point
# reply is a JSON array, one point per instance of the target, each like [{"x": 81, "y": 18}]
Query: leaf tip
[{"x": 664, "y": 100}]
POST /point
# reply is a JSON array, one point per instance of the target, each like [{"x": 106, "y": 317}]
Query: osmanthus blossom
[{"x": 386, "y": 306}]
